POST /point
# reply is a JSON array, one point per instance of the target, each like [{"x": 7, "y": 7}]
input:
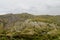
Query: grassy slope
[{"x": 27, "y": 27}]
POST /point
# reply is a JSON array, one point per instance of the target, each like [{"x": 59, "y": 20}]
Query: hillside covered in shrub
[{"x": 29, "y": 27}]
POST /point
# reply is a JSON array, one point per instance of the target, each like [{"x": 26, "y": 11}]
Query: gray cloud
[{"x": 30, "y": 6}]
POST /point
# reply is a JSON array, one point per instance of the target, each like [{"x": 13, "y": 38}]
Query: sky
[{"x": 50, "y": 7}]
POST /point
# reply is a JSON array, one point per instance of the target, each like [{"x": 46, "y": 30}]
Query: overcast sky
[{"x": 30, "y": 6}]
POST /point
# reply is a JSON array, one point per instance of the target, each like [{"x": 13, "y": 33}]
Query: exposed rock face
[{"x": 29, "y": 27}]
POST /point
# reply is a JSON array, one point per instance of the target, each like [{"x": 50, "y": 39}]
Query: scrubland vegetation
[{"x": 29, "y": 27}]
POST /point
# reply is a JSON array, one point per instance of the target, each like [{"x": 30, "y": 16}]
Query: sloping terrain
[{"x": 29, "y": 27}]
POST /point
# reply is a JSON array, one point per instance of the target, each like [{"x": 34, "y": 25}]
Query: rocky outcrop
[{"x": 29, "y": 27}]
